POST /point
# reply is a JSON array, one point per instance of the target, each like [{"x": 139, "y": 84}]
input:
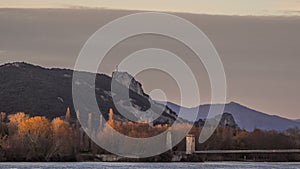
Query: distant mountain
[
  {"x": 245, "y": 117},
  {"x": 48, "y": 92},
  {"x": 297, "y": 120}
]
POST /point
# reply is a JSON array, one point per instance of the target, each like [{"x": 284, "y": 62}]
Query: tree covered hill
[{"x": 39, "y": 91}]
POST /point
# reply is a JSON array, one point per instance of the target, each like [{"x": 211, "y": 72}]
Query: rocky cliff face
[
  {"x": 127, "y": 80},
  {"x": 150, "y": 111}
]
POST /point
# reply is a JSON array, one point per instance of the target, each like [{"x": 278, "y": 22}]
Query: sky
[
  {"x": 260, "y": 54},
  {"x": 223, "y": 7}
]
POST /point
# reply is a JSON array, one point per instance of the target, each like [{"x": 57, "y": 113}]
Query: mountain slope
[
  {"x": 48, "y": 92},
  {"x": 245, "y": 117}
]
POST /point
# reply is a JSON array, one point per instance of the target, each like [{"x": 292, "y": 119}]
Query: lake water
[{"x": 221, "y": 165}]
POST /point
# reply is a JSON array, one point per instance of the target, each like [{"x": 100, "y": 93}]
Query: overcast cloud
[{"x": 261, "y": 55}]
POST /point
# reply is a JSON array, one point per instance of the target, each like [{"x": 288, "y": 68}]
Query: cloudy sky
[
  {"x": 228, "y": 7},
  {"x": 261, "y": 54}
]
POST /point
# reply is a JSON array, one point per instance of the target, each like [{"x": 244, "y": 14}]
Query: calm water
[{"x": 223, "y": 165}]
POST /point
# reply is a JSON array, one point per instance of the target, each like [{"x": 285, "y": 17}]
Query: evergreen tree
[{"x": 68, "y": 115}]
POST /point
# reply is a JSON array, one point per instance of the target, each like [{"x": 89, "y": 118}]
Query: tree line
[{"x": 24, "y": 138}]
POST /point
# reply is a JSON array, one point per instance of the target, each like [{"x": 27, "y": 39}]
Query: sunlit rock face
[
  {"x": 143, "y": 109},
  {"x": 127, "y": 80}
]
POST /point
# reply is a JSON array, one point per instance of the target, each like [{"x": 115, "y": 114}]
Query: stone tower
[{"x": 190, "y": 144}]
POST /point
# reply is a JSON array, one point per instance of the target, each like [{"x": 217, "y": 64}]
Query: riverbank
[
  {"x": 210, "y": 165},
  {"x": 165, "y": 157},
  {"x": 182, "y": 157}
]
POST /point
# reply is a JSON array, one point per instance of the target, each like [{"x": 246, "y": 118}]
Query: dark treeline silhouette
[{"x": 24, "y": 138}]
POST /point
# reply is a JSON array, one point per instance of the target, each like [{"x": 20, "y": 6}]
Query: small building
[{"x": 190, "y": 144}]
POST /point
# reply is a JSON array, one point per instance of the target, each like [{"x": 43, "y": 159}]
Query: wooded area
[{"x": 25, "y": 138}]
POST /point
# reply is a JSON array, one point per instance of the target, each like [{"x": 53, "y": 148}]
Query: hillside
[{"x": 48, "y": 92}]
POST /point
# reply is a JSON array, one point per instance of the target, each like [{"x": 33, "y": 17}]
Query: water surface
[{"x": 88, "y": 165}]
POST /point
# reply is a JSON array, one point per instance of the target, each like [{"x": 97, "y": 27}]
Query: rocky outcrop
[
  {"x": 226, "y": 120},
  {"x": 127, "y": 80}
]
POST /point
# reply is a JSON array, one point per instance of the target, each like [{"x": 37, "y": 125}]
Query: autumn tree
[
  {"x": 62, "y": 139},
  {"x": 3, "y": 134},
  {"x": 110, "y": 117},
  {"x": 15, "y": 120},
  {"x": 68, "y": 115},
  {"x": 36, "y": 137},
  {"x": 3, "y": 126}
]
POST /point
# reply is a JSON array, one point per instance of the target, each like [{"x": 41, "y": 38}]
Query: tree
[
  {"x": 110, "y": 118},
  {"x": 68, "y": 115},
  {"x": 36, "y": 137},
  {"x": 15, "y": 120},
  {"x": 62, "y": 139},
  {"x": 3, "y": 126},
  {"x": 2, "y": 116}
]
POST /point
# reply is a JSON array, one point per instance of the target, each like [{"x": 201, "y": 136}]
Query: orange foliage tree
[
  {"x": 15, "y": 120},
  {"x": 110, "y": 118},
  {"x": 36, "y": 137},
  {"x": 62, "y": 138}
]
